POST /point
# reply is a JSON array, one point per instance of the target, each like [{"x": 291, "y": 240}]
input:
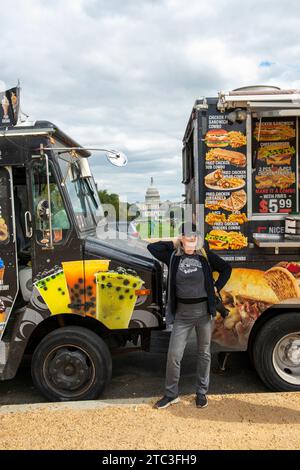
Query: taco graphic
[{"x": 284, "y": 280}]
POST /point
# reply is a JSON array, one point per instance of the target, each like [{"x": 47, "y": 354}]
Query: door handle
[{"x": 28, "y": 229}]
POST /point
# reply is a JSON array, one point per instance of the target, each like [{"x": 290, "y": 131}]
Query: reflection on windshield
[{"x": 82, "y": 193}]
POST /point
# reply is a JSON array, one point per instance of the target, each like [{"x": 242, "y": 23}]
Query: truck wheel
[
  {"x": 71, "y": 363},
  {"x": 276, "y": 352}
]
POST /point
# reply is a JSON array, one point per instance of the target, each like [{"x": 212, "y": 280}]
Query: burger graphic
[
  {"x": 221, "y": 138},
  {"x": 217, "y": 138},
  {"x": 279, "y": 153}
]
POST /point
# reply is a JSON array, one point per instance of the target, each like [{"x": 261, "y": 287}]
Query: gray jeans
[{"x": 189, "y": 316}]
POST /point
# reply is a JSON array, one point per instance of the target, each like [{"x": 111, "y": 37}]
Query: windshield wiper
[
  {"x": 91, "y": 192},
  {"x": 86, "y": 200},
  {"x": 79, "y": 187}
]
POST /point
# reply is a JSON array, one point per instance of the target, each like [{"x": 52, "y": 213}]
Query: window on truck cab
[
  {"x": 82, "y": 193},
  {"x": 60, "y": 221}
]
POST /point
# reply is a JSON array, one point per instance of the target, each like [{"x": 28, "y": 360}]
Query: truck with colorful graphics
[
  {"x": 241, "y": 176},
  {"x": 69, "y": 297}
]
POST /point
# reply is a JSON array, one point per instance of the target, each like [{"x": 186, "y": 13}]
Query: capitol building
[{"x": 153, "y": 207}]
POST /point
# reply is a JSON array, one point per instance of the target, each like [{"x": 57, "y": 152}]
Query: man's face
[{"x": 189, "y": 242}]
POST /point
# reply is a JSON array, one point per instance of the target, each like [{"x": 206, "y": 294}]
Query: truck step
[{"x": 159, "y": 341}]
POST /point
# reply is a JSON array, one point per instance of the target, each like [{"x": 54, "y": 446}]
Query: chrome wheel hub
[{"x": 286, "y": 358}]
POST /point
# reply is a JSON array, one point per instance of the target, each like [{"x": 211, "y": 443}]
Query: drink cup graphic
[
  {"x": 53, "y": 289},
  {"x": 116, "y": 297},
  {"x": 14, "y": 102},
  {"x": 2, "y": 269},
  {"x": 81, "y": 282},
  {"x": 5, "y": 107},
  {"x": 2, "y": 312},
  {"x": 3, "y": 230}
]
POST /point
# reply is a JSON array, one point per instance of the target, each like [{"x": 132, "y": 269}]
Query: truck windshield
[{"x": 82, "y": 193}]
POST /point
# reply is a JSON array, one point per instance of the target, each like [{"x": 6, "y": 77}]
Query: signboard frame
[{"x": 275, "y": 114}]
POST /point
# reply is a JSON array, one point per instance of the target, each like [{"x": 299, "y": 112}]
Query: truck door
[
  {"x": 54, "y": 239},
  {"x": 8, "y": 249}
]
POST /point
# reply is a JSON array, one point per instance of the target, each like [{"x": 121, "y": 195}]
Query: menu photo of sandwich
[
  {"x": 246, "y": 295},
  {"x": 230, "y": 156},
  {"x": 279, "y": 153},
  {"x": 275, "y": 179},
  {"x": 284, "y": 279},
  {"x": 218, "y": 181},
  {"x": 217, "y": 138},
  {"x": 223, "y": 138},
  {"x": 223, "y": 240},
  {"x": 273, "y": 131},
  {"x": 233, "y": 203}
]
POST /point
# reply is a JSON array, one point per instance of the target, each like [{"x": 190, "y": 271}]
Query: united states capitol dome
[{"x": 152, "y": 193}]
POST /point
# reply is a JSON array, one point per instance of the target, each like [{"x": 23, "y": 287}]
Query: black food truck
[
  {"x": 71, "y": 299},
  {"x": 68, "y": 297},
  {"x": 241, "y": 175}
]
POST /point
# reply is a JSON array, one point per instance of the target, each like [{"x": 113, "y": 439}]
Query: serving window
[{"x": 274, "y": 165}]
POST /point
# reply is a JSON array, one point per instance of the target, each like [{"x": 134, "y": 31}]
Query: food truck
[
  {"x": 241, "y": 176},
  {"x": 69, "y": 297}
]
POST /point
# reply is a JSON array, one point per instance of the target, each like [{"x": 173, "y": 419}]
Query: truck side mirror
[{"x": 116, "y": 158}]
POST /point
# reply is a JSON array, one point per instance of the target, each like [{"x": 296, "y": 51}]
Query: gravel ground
[{"x": 243, "y": 421}]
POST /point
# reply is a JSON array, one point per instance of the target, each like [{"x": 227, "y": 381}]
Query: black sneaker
[
  {"x": 201, "y": 401},
  {"x": 164, "y": 402}
]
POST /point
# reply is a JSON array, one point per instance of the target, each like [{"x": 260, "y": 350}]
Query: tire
[
  {"x": 71, "y": 363},
  {"x": 276, "y": 352}
]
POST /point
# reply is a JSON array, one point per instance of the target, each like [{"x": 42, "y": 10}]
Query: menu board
[
  {"x": 225, "y": 183},
  {"x": 274, "y": 156}
]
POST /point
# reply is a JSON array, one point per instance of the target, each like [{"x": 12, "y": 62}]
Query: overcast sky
[{"x": 125, "y": 73}]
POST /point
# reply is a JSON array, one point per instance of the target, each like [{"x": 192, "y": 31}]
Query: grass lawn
[{"x": 159, "y": 230}]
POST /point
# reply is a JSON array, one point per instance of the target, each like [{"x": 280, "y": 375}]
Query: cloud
[
  {"x": 126, "y": 74},
  {"x": 266, "y": 63}
]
